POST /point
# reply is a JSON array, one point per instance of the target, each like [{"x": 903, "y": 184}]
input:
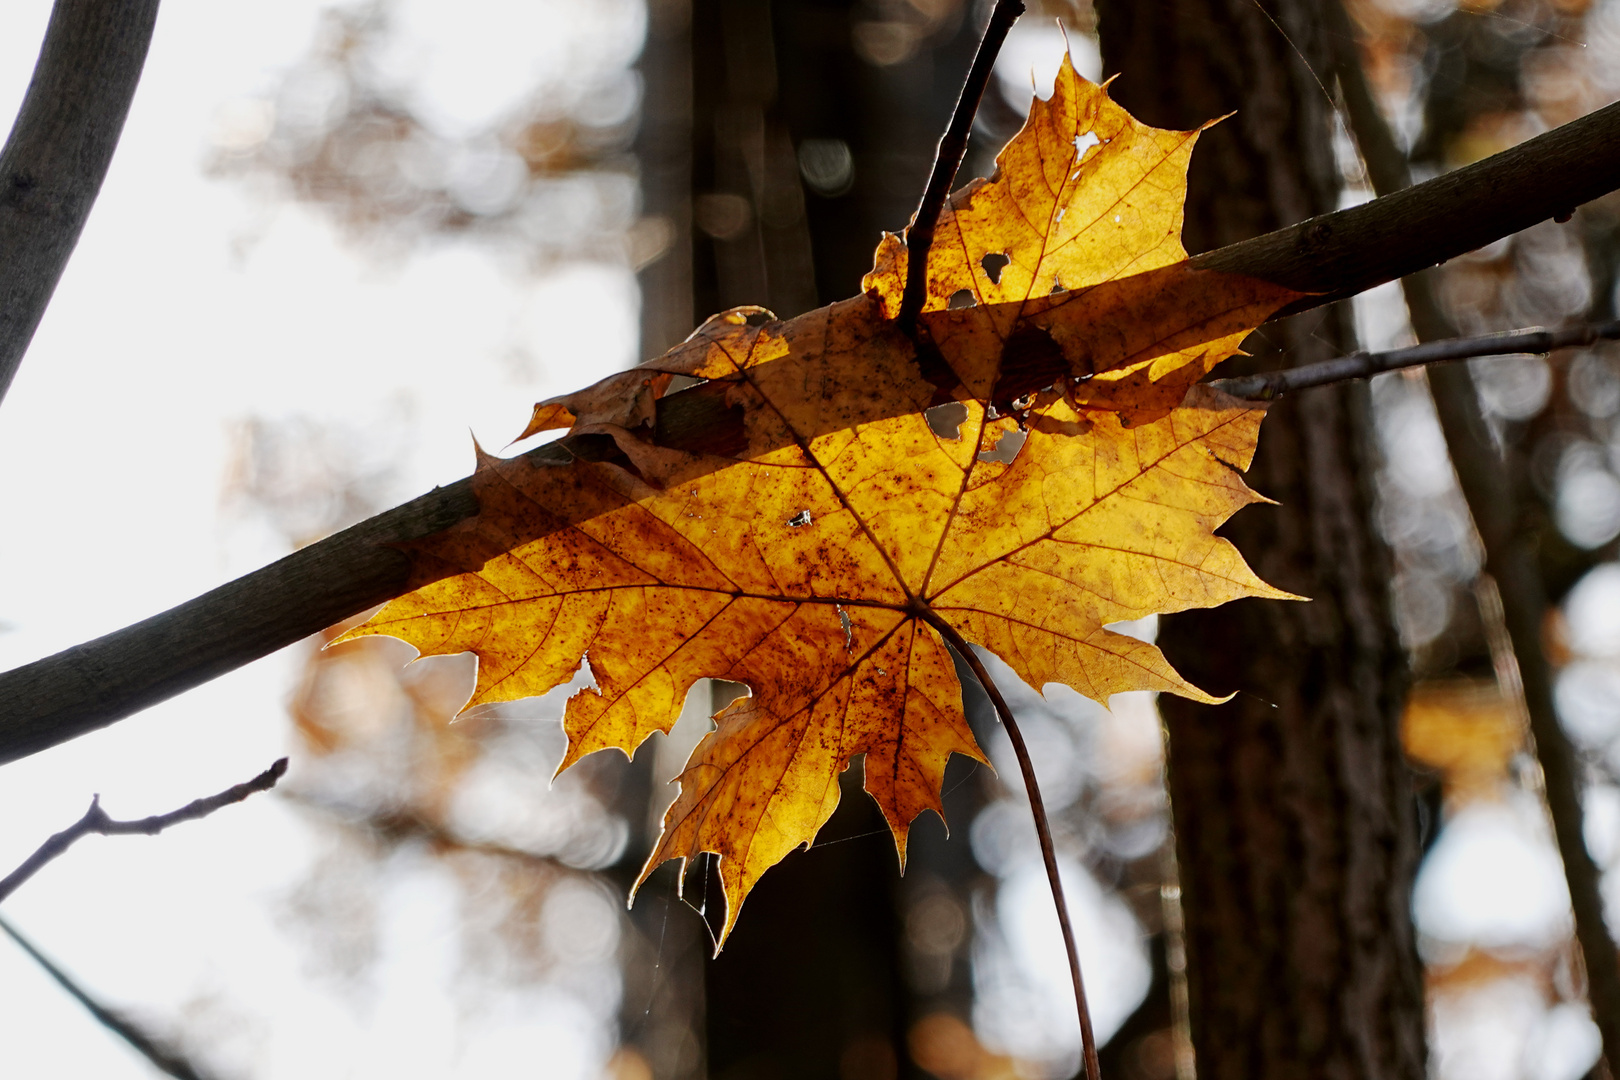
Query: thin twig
[
  {"x": 95, "y": 820},
  {"x": 1492, "y": 490},
  {"x": 165, "y": 1058},
  {"x": 59, "y": 151},
  {"x": 1043, "y": 830},
  {"x": 948, "y": 159},
  {"x": 1362, "y": 365}
]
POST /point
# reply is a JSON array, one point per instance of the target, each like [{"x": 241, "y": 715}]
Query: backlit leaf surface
[{"x": 851, "y": 497}]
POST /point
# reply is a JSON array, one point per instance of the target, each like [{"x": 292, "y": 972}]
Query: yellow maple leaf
[{"x": 825, "y": 537}]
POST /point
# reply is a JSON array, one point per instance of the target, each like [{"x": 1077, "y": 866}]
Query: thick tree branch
[
  {"x": 948, "y": 159},
  {"x": 91, "y": 685},
  {"x": 1340, "y": 254},
  {"x": 102, "y": 681},
  {"x": 57, "y": 156},
  {"x": 95, "y": 820},
  {"x": 1489, "y": 487},
  {"x": 165, "y": 1058},
  {"x": 1363, "y": 365}
]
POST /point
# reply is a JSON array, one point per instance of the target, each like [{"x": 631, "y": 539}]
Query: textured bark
[
  {"x": 1497, "y": 489},
  {"x": 1292, "y": 804}
]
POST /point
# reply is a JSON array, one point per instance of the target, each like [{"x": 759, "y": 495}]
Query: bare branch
[
  {"x": 95, "y": 820},
  {"x": 1349, "y": 251},
  {"x": 948, "y": 159},
  {"x": 1363, "y": 365},
  {"x": 165, "y": 1058},
  {"x": 103, "y": 681},
  {"x": 60, "y": 148},
  {"x": 94, "y": 684}
]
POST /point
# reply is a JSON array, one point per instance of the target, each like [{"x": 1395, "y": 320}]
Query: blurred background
[{"x": 337, "y": 236}]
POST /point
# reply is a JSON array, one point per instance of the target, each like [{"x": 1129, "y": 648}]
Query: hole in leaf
[
  {"x": 677, "y": 383},
  {"x": 1006, "y": 447},
  {"x": 723, "y": 692},
  {"x": 994, "y": 263},
  {"x": 1057, "y": 286},
  {"x": 962, "y": 298},
  {"x": 946, "y": 420},
  {"x": 799, "y": 520},
  {"x": 758, "y": 318},
  {"x": 1083, "y": 142},
  {"x": 849, "y": 630}
]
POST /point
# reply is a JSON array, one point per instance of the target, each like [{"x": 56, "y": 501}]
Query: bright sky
[{"x": 116, "y": 439}]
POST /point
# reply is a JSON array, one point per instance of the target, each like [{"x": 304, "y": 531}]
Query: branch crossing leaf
[{"x": 1035, "y": 466}]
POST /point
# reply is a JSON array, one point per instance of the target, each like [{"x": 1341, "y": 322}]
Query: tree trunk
[
  {"x": 813, "y": 982},
  {"x": 1292, "y": 804}
]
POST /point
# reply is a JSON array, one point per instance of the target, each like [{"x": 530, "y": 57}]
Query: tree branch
[
  {"x": 166, "y": 1059},
  {"x": 100, "y": 682},
  {"x": 58, "y": 153},
  {"x": 94, "y": 684},
  {"x": 948, "y": 159},
  {"x": 1349, "y": 251},
  {"x": 1362, "y": 365},
  {"x": 95, "y": 820}
]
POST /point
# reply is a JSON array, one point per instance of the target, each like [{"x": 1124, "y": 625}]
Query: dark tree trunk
[
  {"x": 1292, "y": 805},
  {"x": 809, "y": 986},
  {"x": 661, "y": 1014},
  {"x": 813, "y": 982}
]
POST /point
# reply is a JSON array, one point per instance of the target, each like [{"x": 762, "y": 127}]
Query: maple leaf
[{"x": 829, "y": 539}]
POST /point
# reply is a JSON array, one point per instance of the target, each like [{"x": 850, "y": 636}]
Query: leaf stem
[
  {"x": 1043, "y": 829},
  {"x": 947, "y": 159},
  {"x": 1362, "y": 365}
]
